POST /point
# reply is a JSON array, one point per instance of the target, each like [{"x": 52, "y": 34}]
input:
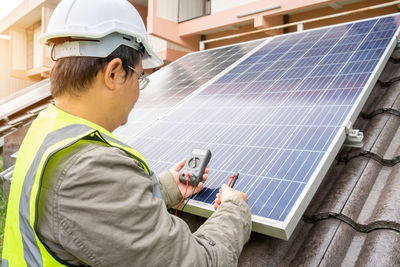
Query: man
[{"x": 80, "y": 197}]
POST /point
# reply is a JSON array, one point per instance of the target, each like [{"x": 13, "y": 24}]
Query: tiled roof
[{"x": 354, "y": 218}]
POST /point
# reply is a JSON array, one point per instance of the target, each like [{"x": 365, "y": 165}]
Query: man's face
[{"x": 130, "y": 93}]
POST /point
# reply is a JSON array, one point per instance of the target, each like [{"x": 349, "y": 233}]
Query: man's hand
[
  {"x": 226, "y": 191},
  {"x": 182, "y": 187}
]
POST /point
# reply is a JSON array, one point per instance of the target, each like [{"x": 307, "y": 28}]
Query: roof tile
[{"x": 381, "y": 248}]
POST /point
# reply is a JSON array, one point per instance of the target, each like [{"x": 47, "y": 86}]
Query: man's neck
[{"x": 86, "y": 108}]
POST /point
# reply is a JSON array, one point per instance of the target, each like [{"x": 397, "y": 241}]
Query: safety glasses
[{"x": 142, "y": 79}]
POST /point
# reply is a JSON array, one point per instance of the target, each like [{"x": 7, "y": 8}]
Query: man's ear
[{"x": 113, "y": 73}]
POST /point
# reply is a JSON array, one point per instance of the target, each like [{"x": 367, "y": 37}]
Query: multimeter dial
[{"x": 193, "y": 162}]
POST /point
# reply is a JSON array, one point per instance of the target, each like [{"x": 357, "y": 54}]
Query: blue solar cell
[
  {"x": 285, "y": 197},
  {"x": 275, "y": 114},
  {"x": 263, "y": 194}
]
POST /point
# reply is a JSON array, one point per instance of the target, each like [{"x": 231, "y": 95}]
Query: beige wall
[
  {"x": 166, "y": 50},
  {"x": 299, "y": 16},
  {"x": 242, "y": 29},
  {"x": 37, "y": 48},
  {"x": 8, "y": 85},
  {"x": 190, "y": 9},
  {"x": 168, "y": 9},
  {"x": 220, "y": 5},
  {"x": 19, "y": 49},
  {"x": 351, "y": 17}
]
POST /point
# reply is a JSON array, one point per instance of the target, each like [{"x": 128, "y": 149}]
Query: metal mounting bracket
[
  {"x": 397, "y": 43},
  {"x": 354, "y": 138}
]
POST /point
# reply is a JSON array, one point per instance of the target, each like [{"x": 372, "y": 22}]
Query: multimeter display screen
[{"x": 200, "y": 152}]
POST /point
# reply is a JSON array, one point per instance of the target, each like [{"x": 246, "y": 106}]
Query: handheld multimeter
[{"x": 195, "y": 166}]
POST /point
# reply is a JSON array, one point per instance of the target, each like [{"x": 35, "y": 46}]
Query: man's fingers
[
  {"x": 217, "y": 202},
  {"x": 180, "y": 165},
  {"x": 199, "y": 187}
]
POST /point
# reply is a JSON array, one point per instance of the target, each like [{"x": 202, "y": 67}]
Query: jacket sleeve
[
  {"x": 169, "y": 190},
  {"x": 107, "y": 216}
]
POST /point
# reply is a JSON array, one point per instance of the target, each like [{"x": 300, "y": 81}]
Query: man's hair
[{"x": 75, "y": 74}]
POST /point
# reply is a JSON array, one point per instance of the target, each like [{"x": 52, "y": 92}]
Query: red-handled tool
[{"x": 232, "y": 180}]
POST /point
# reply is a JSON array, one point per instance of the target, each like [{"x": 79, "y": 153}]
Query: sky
[{"x": 7, "y": 6}]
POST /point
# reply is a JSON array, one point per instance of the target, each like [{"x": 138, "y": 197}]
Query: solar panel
[
  {"x": 277, "y": 116},
  {"x": 173, "y": 83}
]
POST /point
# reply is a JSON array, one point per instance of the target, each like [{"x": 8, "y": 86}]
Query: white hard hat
[{"x": 96, "y": 28}]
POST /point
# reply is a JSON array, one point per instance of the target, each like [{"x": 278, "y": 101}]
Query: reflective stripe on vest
[{"x": 33, "y": 250}]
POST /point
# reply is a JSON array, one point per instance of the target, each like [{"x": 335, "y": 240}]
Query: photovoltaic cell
[
  {"x": 176, "y": 81},
  {"x": 277, "y": 116}
]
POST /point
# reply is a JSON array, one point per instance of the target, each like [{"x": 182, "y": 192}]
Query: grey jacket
[{"x": 96, "y": 208}]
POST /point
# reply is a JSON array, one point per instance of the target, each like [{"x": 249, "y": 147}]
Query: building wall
[
  {"x": 8, "y": 85},
  {"x": 167, "y": 9},
  {"x": 190, "y": 9},
  {"x": 166, "y": 50},
  {"x": 19, "y": 49},
  {"x": 225, "y": 20},
  {"x": 220, "y": 5},
  {"x": 37, "y": 48},
  {"x": 351, "y": 17},
  {"x": 300, "y": 16},
  {"x": 241, "y": 29}
]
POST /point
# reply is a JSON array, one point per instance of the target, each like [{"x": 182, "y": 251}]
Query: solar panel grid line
[
  {"x": 290, "y": 202},
  {"x": 293, "y": 90},
  {"x": 359, "y": 103},
  {"x": 282, "y": 195},
  {"x": 152, "y": 108},
  {"x": 368, "y": 87},
  {"x": 188, "y": 57},
  {"x": 293, "y": 178},
  {"x": 262, "y": 145},
  {"x": 250, "y": 192},
  {"x": 210, "y": 63},
  {"x": 198, "y": 89},
  {"x": 260, "y": 96},
  {"x": 298, "y": 208},
  {"x": 273, "y": 192}
]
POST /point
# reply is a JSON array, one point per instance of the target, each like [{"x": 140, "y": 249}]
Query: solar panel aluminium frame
[
  {"x": 28, "y": 96},
  {"x": 283, "y": 230}
]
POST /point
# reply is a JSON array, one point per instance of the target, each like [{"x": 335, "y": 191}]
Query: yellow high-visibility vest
[{"x": 52, "y": 131}]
